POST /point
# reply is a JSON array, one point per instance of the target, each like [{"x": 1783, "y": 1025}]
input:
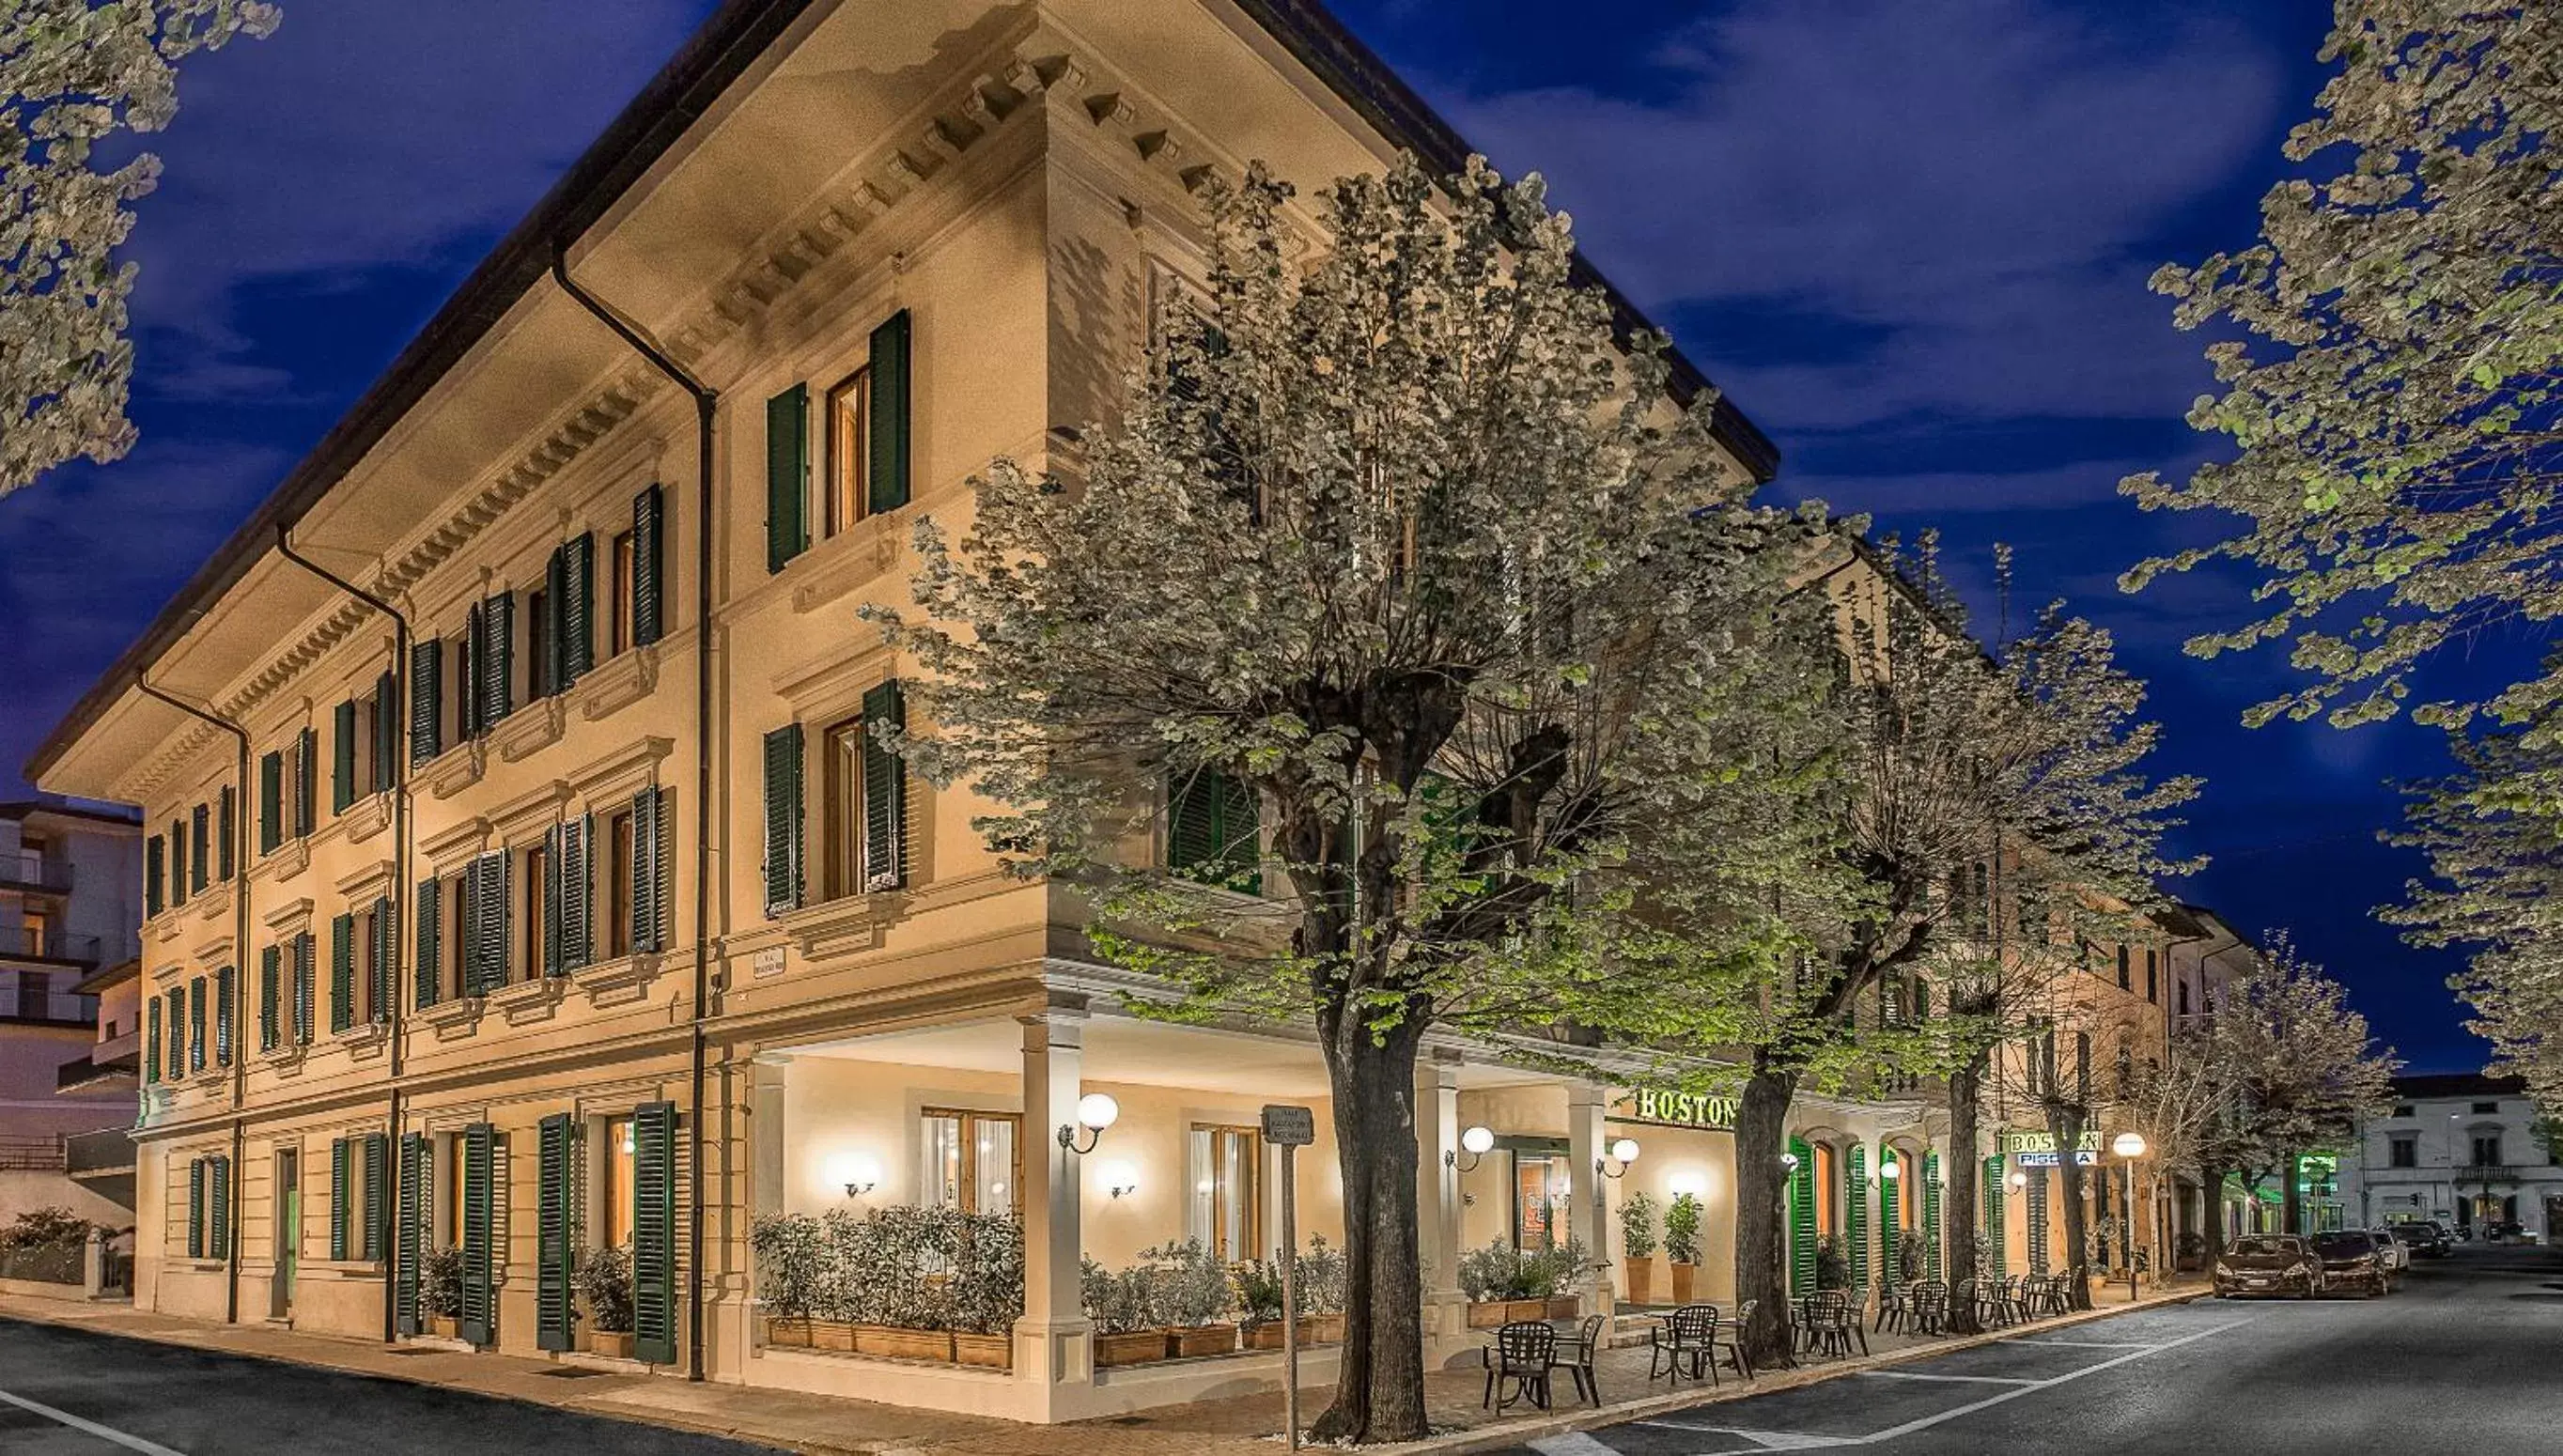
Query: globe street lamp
[{"x": 2130, "y": 1147}]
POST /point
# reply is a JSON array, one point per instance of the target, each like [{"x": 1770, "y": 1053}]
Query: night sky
[{"x": 1910, "y": 238}]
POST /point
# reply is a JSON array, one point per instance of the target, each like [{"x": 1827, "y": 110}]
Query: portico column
[
  {"x": 1054, "y": 1341},
  {"x": 1437, "y": 1194},
  {"x": 765, "y": 1192},
  {"x": 1586, "y": 1210}
]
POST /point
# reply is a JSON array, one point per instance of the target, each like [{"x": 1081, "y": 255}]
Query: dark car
[
  {"x": 2351, "y": 1261},
  {"x": 2425, "y": 1239},
  {"x": 2269, "y": 1264}
]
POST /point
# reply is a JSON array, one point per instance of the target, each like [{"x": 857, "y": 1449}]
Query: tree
[
  {"x": 74, "y": 75},
  {"x": 1398, "y": 600},
  {"x": 2393, "y": 402},
  {"x": 2187, "y": 1109}
]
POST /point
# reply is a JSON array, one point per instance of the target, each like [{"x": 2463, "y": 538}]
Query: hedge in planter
[
  {"x": 901, "y": 1281},
  {"x": 440, "y": 1290},
  {"x": 1504, "y": 1284}
]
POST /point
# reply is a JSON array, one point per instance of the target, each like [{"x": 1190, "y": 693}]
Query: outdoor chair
[
  {"x": 1521, "y": 1358},
  {"x": 1890, "y": 1306},
  {"x": 1931, "y": 1311},
  {"x": 1575, "y": 1357},
  {"x": 1831, "y": 1324},
  {"x": 1730, "y": 1339},
  {"x": 1686, "y": 1338}
]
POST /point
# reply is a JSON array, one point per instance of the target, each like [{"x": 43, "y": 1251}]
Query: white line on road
[
  {"x": 2082, "y": 1344},
  {"x": 1960, "y": 1379},
  {"x": 104, "y": 1433},
  {"x": 1571, "y": 1443}
]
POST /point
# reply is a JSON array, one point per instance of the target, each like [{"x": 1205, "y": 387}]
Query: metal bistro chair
[
  {"x": 1891, "y": 1305},
  {"x": 1831, "y": 1324},
  {"x": 1575, "y": 1357},
  {"x": 1521, "y": 1356},
  {"x": 1930, "y": 1313},
  {"x": 1686, "y": 1336},
  {"x": 1730, "y": 1338}
]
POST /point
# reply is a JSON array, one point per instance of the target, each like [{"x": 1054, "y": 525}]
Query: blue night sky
[{"x": 1910, "y": 238}]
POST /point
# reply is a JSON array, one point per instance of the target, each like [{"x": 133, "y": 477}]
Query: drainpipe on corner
[
  {"x": 239, "y": 848},
  {"x": 707, "y": 406},
  {"x": 398, "y": 899}
]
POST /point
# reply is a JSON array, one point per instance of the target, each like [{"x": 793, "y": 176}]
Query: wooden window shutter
[
  {"x": 386, "y": 962},
  {"x": 341, "y": 1181},
  {"x": 888, "y": 426},
  {"x": 648, "y": 565},
  {"x": 783, "y": 808},
  {"x": 480, "y": 1216},
  {"x": 1997, "y": 1250},
  {"x": 663, "y": 863},
  {"x": 1802, "y": 1218},
  {"x": 426, "y": 700},
  {"x": 218, "y": 1210},
  {"x": 1931, "y": 1215},
  {"x": 1888, "y": 1269},
  {"x": 495, "y": 906},
  {"x": 387, "y": 731},
  {"x": 551, "y": 893},
  {"x": 226, "y": 831},
  {"x": 225, "y": 1008},
  {"x": 177, "y": 862},
  {"x": 885, "y": 792},
  {"x": 196, "y": 1025},
  {"x": 306, "y": 786},
  {"x": 576, "y": 633},
  {"x": 787, "y": 476},
  {"x": 269, "y": 964},
  {"x": 176, "y": 1067},
  {"x": 466, "y": 674},
  {"x": 552, "y": 672},
  {"x": 1214, "y": 834},
  {"x": 155, "y": 863},
  {"x": 411, "y": 1246},
  {"x": 196, "y": 1209},
  {"x": 650, "y": 869},
  {"x": 654, "y": 1232},
  {"x": 342, "y": 757},
  {"x": 378, "y": 1177},
  {"x": 572, "y": 872},
  {"x": 151, "y": 1042},
  {"x": 271, "y": 802},
  {"x": 495, "y": 659},
  {"x": 198, "y": 839},
  {"x": 467, "y": 950},
  {"x": 1855, "y": 1212},
  {"x": 302, "y": 989},
  {"x": 553, "y": 1253},
  {"x": 342, "y": 972},
  {"x": 429, "y": 910}
]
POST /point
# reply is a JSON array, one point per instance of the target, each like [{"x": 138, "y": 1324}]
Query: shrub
[
  {"x": 440, "y": 1284},
  {"x": 1500, "y": 1271},
  {"x": 1833, "y": 1265},
  {"x": 1637, "y": 1224},
  {"x": 605, "y": 1282},
  {"x": 1321, "y": 1276},
  {"x": 1192, "y": 1284},
  {"x": 1122, "y": 1303},
  {"x": 790, "y": 1251},
  {"x": 987, "y": 1286},
  {"x": 1258, "y": 1292},
  {"x": 1682, "y": 1229},
  {"x": 38, "y": 1229}
]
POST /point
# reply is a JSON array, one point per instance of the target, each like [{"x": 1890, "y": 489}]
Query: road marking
[
  {"x": 104, "y": 1433},
  {"x": 2082, "y": 1344},
  {"x": 1572, "y": 1444},
  {"x": 1962, "y": 1379}
]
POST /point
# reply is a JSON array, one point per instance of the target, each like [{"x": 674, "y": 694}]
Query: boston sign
[
  {"x": 1667, "y": 1108},
  {"x": 2037, "y": 1150}
]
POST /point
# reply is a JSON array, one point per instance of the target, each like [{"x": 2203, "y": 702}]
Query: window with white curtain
[
  {"x": 969, "y": 1159},
  {"x": 1224, "y": 1211}
]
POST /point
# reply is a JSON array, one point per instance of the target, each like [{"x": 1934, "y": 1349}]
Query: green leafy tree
[{"x": 74, "y": 74}]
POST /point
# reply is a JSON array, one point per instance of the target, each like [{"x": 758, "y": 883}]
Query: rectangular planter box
[
  {"x": 1314, "y": 1330},
  {"x": 614, "y": 1343},
  {"x": 1138, "y": 1347},
  {"x": 443, "y": 1326},
  {"x": 788, "y": 1332},
  {"x": 1493, "y": 1313},
  {"x": 890, "y": 1341},
  {"x": 1563, "y": 1307},
  {"x": 988, "y": 1352},
  {"x": 831, "y": 1334},
  {"x": 1201, "y": 1340}
]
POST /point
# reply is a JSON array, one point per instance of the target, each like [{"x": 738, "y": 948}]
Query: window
[
  {"x": 529, "y": 911},
  {"x": 2486, "y": 1150},
  {"x": 452, "y": 939},
  {"x": 2184, "y": 998},
  {"x": 618, "y": 600},
  {"x": 971, "y": 1160},
  {"x": 538, "y": 643},
  {"x": 1827, "y": 1182},
  {"x": 849, "y": 462},
  {"x": 2123, "y": 982},
  {"x": 618, "y": 884},
  {"x": 1226, "y": 1210},
  {"x": 2486, "y": 1107},
  {"x": 2402, "y": 1109},
  {"x": 614, "y": 1207},
  {"x": 842, "y": 814},
  {"x": 1540, "y": 1198},
  {"x": 2404, "y": 1150},
  {"x": 2153, "y": 976}
]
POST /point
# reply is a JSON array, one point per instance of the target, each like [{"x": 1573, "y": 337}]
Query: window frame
[
  {"x": 1223, "y": 1198},
  {"x": 966, "y": 1191},
  {"x": 533, "y": 864},
  {"x": 622, "y": 573},
  {"x": 845, "y": 486},
  {"x": 622, "y": 858}
]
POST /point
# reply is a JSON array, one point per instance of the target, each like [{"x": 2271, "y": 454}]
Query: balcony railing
[
  {"x": 23, "y": 943},
  {"x": 26, "y": 869},
  {"x": 109, "y": 1150},
  {"x": 31, "y": 1155},
  {"x": 2487, "y": 1172},
  {"x": 92, "y": 1073}
]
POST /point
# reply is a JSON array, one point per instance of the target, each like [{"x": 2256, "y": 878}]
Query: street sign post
[{"x": 1290, "y": 1129}]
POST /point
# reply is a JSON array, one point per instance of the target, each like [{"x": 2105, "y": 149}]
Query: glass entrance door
[{"x": 289, "y": 1232}]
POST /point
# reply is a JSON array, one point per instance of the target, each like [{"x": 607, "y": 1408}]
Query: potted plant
[
  {"x": 1504, "y": 1284},
  {"x": 987, "y": 1290},
  {"x": 1193, "y": 1294},
  {"x": 1638, "y": 1247},
  {"x": 1681, "y": 1244},
  {"x": 790, "y": 1254},
  {"x": 904, "y": 1258},
  {"x": 440, "y": 1290},
  {"x": 1259, "y": 1303},
  {"x": 1562, "y": 1272},
  {"x": 1122, "y": 1307},
  {"x": 1833, "y": 1266},
  {"x": 1321, "y": 1277},
  {"x": 605, "y": 1282}
]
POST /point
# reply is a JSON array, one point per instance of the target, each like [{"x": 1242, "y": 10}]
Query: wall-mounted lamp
[
  {"x": 1624, "y": 1150},
  {"x": 1095, "y": 1113},
  {"x": 1889, "y": 1171},
  {"x": 862, "y": 1177},
  {"x": 1476, "y": 1143},
  {"x": 2017, "y": 1180},
  {"x": 1789, "y": 1161},
  {"x": 1692, "y": 1183},
  {"x": 1121, "y": 1178}
]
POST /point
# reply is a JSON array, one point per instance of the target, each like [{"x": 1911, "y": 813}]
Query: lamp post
[{"x": 2130, "y": 1147}]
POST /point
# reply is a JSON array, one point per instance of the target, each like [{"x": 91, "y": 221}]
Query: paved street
[
  {"x": 2462, "y": 1357},
  {"x": 68, "y": 1392}
]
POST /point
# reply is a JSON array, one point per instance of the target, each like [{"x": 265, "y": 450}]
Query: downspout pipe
[
  {"x": 398, "y": 899},
  {"x": 706, "y": 408},
  {"x": 238, "y": 850}
]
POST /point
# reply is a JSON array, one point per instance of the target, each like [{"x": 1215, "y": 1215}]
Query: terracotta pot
[
  {"x": 1563, "y": 1307},
  {"x": 443, "y": 1326},
  {"x": 831, "y": 1334},
  {"x": 989, "y": 1351},
  {"x": 1331, "y": 1328},
  {"x": 891, "y": 1341},
  {"x": 1683, "y": 1274},
  {"x": 1138, "y": 1348},
  {"x": 1312, "y": 1331},
  {"x": 1637, "y": 1280},
  {"x": 1486, "y": 1314},
  {"x": 1195, "y": 1340},
  {"x": 616, "y": 1343}
]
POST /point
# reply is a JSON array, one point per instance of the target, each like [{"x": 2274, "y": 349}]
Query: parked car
[
  {"x": 2398, "y": 1255},
  {"x": 2427, "y": 1238},
  {"x": 2351, "y": 1261},
  {"x": 2266, "y": 1264}
]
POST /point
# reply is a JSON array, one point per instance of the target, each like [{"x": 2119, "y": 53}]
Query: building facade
[{"x": 2468, "y": 1151}]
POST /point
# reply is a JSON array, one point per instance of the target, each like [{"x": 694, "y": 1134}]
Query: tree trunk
[
  {"x": 1958, "y": 1214},
  {"x": 2291, "y": 1203},
  {"x": 1761, "y": 1215},
  {"x": 2065, "y": 1122},
  {"x": 1379, "y": 1396},
  {"x": 2210, "y": 1178}
]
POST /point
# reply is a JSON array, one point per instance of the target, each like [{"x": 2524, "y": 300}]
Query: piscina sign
[
  {"x": 1715, "y": 1111},
  {"x": 2037, "y": 1150}
]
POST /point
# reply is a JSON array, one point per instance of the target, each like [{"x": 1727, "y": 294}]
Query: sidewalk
[{"x": 1236, "y": 1426}]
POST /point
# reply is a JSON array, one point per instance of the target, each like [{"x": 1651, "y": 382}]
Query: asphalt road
[
  {"x": 69, "y": 1392},
  {"x": 2462, "y": 1357}
]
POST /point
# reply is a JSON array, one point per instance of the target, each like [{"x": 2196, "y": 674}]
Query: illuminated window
[
  {"x": 616, "y": 1206},
  {"x": 618, "y": 599},
  {"x": 849, "y": 451},
  {"x": 1539, "y": 1199},
  {"x": 618, "y": 884},
  {"x": 529, "y": 915},
  {"x": 1827, "y": 1184},
  {"x": 970, "y": 1160},
  {"x": 1225, "y": 1212}
]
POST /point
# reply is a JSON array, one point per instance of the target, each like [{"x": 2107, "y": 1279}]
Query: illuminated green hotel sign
[
  {"x": 2038, "y": 1149},
  {"x": 1714, "y": 1112}
]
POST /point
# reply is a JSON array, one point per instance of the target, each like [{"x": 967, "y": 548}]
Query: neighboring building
[
  {"x": 2468, "y": 1151},
  {"x": 68, "y": 878},
  {"x": 2206, "y": 954}
]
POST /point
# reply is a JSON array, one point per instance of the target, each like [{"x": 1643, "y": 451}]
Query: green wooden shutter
[
  {"x": 151, "y": 1043},
  {"x": 551, "y": 893},
  {"x": 199, "y": 838},
  {"x": 663, "y": 865},
  {"x": 649, "y": 567},
  {"x": 468, "y": 723},
  {"x": 1855, "y": 1210},
  {"x": 496, "y": 909},
  {"x": 1802, "y": 1218},
  {"x": 466, "y": 951},
  {"x": 1995, "y": 1257},
  {"x": 1931, "y": 1215},
  {"x": 885, "y": 792},
  {"x": 497, "y": 659},
  {"x": 387, "y": 731},
  {"x": 426, "y": 700},
  {"x": 787, "y": 476},
  {"x": 196, "y": 1025},
  {"x": 218, "y": 1212},
  {"x": 1890, "y": 1271},
  {"x": 888, "y": 427},
  {"x": 340, "y": 1191},
  {"x": 271, "y": 802},
  {"x": 225, "y": 1008},
  {"x": 643, "y": 892},
  {"x": 783, "y": 805},
  {"x": 574, "y": 875},
  {"x": 412, "y": 1242},
  {"x": 155, "y": 864},
  {"x": 176, "y": 1067},
  {"x": 177, "y": 862},
  {"x": 1212, "y": 834},
  {"x": 342, "y": 972},
  {"x": 378, "y": 1179},
  {"x": 2038, "y": 1220},
  {"x": 553, "y": 669},
  {"x": 577, "y": 637},
  {"x": 553, "y": 1253},
  {"x": 342, "y": 757},
  {"x": 429, "y": 910},
  {"x": 306, "y": 789},
  {"x": 654, "y": 1232},
  {"x": 269, "y": 1033},
  {"x": 480, "y": 1216},
  {"x": 302, "y": 975},
  {"x": 386, "y": 968},
  {"x": 226, "y": 831},
  {"x": 196, "y": 1209}
]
